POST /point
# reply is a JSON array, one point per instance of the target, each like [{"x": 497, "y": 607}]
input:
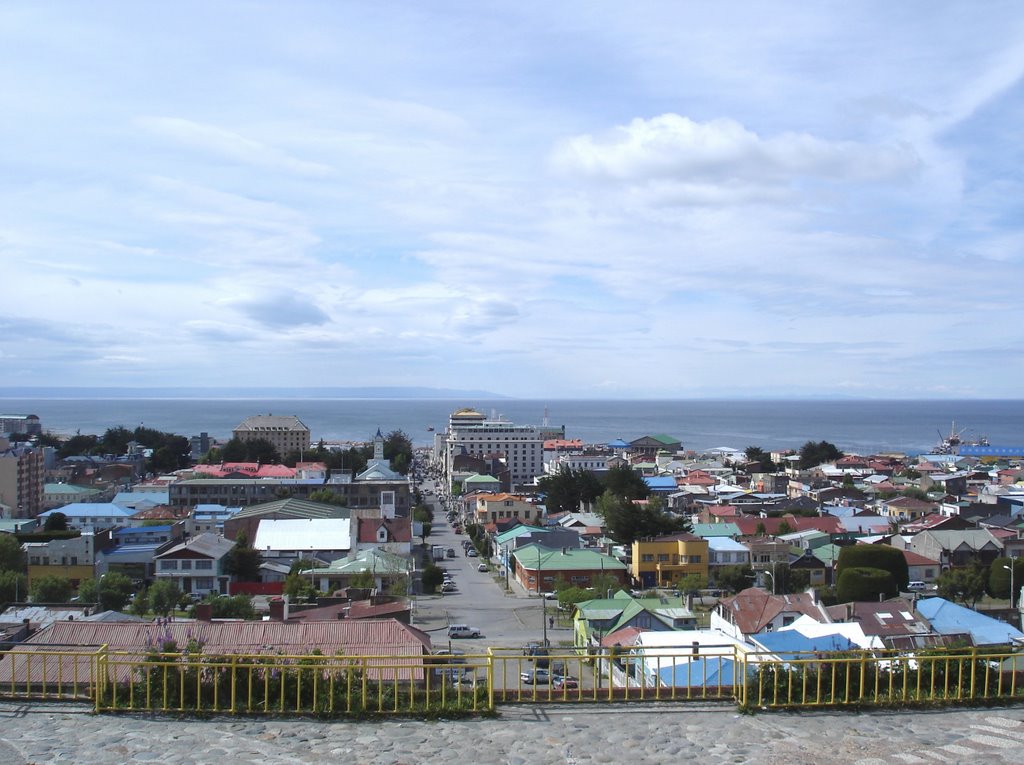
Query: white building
[{"x": 470, "y": 432}]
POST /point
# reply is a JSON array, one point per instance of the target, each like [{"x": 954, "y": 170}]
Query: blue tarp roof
[
  {"x": 700, "y": 673},
  {"x": 949, "y": 618},
  {"x": 992, "y": 451},
  {"x": 789, "y": 644},
  {"x": 661, "y": 482}
]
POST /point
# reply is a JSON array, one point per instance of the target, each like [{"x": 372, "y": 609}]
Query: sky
[{"x": 573, "y": 199}]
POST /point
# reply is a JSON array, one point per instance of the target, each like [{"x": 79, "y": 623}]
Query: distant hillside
[{"x": 400, "y": 392}]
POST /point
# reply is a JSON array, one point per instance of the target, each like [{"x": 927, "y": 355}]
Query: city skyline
[{"x": 539, "y": 201}]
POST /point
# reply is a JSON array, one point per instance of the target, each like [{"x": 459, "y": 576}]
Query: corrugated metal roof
[
  {"x": 304, "y": 534},
  {"x": 400, "y": 646}
]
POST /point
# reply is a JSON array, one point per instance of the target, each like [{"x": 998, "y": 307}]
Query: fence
[{"x": 192, "y": 682}]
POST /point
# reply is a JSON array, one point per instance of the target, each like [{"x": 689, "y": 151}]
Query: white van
[
  {"x": 916, "y": 586},
  {"x": 463, "y": 631}
]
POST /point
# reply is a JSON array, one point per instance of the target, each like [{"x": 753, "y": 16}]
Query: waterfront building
[
  {"x": 20, "y": 423},
  {"x": 470, "y": 432},
  {"x": 286, "y": 433},
  {"x": 21, "y": 480}
]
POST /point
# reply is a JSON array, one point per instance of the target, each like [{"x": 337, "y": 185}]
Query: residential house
[
  {"x": 59, "y": 494},
  {"x": 92, "y": 516},
  {"x": 956, "y": 622},
  {"x": 754, "y": 610},
  {"x": 384, "y": 567},
  {"x": 723, "y": 551},
  {"x": 921, "y": 569},
  {"x": 247, "y": 519},
  {"x": 393, "y": 535},
  {"x": 73, "y": 559},
  {"x": 661, "y": 561},
  {"x": 894, "y": 622},
  {"x": 954, "y": 549},
  {"x": 595, "y": 619},
  {"x": 538, "y": 568},
  {"x": 288, "y": 539},
  {"x": 196, "y": 565},
  {"x": 491, "y": 508}
]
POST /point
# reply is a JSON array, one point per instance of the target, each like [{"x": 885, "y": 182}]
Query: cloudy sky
[{"x": 570, "y": 199}]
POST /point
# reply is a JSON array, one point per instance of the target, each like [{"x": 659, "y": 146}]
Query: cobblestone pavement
[{"x": 522, "y": 735}]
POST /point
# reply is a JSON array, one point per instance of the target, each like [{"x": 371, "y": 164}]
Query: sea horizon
[{"x": 911, "y": 426}]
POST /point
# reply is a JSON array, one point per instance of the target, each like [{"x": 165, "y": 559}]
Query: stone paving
[{"x": 522, "y": 735}]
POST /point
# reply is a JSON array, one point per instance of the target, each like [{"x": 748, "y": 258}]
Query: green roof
[
  {"x": 69, "y": 489},
  {"x": 372, "y": 560},
  {"x": 706, "y": 530},
  {"x": 518, "y": 531},
  {"x": 569, "y": 560},
  {"x": 665, "y": 439},
  {"x": 478, "y": 478},
  {"x": 295, "y": 508}
]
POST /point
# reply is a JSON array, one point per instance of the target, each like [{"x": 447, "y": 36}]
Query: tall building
[
  {"x": 286, "y": 433},
  {"x": 470, "y": 432},
  {"x": 21, "y": 480},
  {"x": 20, "y": 423}
]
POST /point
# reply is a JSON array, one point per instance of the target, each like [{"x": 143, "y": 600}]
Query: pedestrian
[{"x": 551, "y": 622}]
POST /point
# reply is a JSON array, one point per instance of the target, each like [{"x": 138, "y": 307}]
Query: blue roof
[
  {"x": 948, "y": 618},
  {"x": 789, "y": 644},
  {"x": 89, "y": 510},
  {"x": 126, "y": 550},
  {"x": 618, "y": 443},
  {"x": 661, "y": 482},
  {"x": 701, "y": 673},
  {"x": 134, "y": 530},
  {"x": 992, "y": 451}
]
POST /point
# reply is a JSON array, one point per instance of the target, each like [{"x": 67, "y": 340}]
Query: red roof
[
  {"x": 247, "y": 469},
  {"x": 913, "y": 559},
  {"x": 398, "y": 529},
  {"x": 402, "y": 645},
  {"x": 828, "y": 524}
]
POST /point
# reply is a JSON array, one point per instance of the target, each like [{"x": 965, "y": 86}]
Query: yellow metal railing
[{"x": 353, "y": 686}]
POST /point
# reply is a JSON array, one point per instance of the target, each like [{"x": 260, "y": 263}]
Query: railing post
[
  {"x": 974, "y": 668},
  {"x": 490, "y": 679}
]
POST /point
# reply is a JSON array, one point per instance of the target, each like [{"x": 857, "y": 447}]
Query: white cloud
[{"x": 722, "y": 151}]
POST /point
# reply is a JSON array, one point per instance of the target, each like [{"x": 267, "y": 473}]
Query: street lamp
[
  {"x": 1012, "y": 593},
  {"x": 769, "y": 573}
]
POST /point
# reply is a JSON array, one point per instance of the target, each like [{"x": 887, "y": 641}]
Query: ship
[{"x": 951, "y": 443}]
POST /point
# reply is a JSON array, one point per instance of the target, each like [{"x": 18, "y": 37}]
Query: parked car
[
  {"x": 568, "y": 683},
  {"x": 471, "y": 553},
  {"x": 448, "y": 587},
  {"x": 482, "y": 567},
  {"x": 451, "y": 552},
  {"x": 463, "y": 631},
  {"x": 536, "y": 677}
]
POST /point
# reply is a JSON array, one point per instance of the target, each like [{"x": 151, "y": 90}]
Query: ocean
[{"x": 854, "y": 426}]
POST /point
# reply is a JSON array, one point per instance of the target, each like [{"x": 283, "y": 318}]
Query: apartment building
[
  {"x": 286, "y": 433},
  {"x": 21, "y": 480},
  {"x": 470, "y": 432}
]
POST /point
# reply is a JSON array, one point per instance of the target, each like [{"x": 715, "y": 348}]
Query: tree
[
  {"x": 12, "y": 557},
  {"x": 863, "y": 584},
  {"x": 297, "y": 587},
  {"x": 623, "y": 481},
  {"x": 784, "y": 528},
  {"x": 114, "y": 590},
  {"x": 329, "y": 497},
  {"x": 875, "y": 556},
  {"x": 691, "y": 584},
  {"x": 999, "y": 579},
  {"x": 56, "y": 521},
  {"x": 761, "y": 457},
  {"x": 51, "y": 589},
  {"x": 250, "y": 450},
  {"x": 813, "y": 454},
  {"x": 77, "y": 445},
  {"x": 13, "y": 587},
  {"x": 566, "y": 490},
  {"x": 89, "y": 591},
  {"x": 734, "y": 578},
  {"x": 140, "y": 603},
  {"x": 432, "y": 577},
  {"x": 964, "y": 584},
  {"x": 163, "y": 596},
  {"x": 398, "y": 450},
  {"x": 627, "y": 521},
  {"x": 231, "y": 607},
  {"x": 242, "y": 561}
]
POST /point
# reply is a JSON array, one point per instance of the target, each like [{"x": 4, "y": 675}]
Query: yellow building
[
  {"x": 660, "y": 561},
  {"x": 491, "y": 508}
]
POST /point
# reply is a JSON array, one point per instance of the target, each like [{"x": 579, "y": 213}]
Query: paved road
[{"x": 523, "y": 735}]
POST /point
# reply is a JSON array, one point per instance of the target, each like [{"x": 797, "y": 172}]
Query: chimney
[
  {"x": 278, "y": 607},
  {"x": 696, "y": 648},
  {"x": 204, "y": 612}
]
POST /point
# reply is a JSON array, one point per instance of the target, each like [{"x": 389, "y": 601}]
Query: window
[
  {"x": 168, "y": 565},
  {"x": 203, "y": 583},
  {"x": 204, "y": 565},
  {"x": 186, "y": 565},
  {"x": 647, "y": 558},
  {"x": 694, "y": 559},
  {"x": 663, "y": 557}
]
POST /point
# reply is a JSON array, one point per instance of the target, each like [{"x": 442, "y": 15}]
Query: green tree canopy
[
  {"x": 56, "y": 521},
  {"x": 966, "y": 585},
  {"x": 297, "y": 587},
  {"x": 875, "y": 556},
  {"x": 242, "y": 561},
  {"x": 12, "y": 557},
  {"x": 51, "y": 589},
  {"x": 733, "y": 578},
  {"x": 13, "y": 587},
  {"x": 623, "y": 481},
  {"x": 232, "y": 607},
  {"x": 114, "y": 590},
  {"x": 568, "y": 488},
  {"x": 865, "y": 584},
  {"x": 813, "y": 454},
  {"x": 329, "y": 497},
  {"x": 250, "y": 450},
  {"x": 627, "y": 521},
  {"x": 999, "y": 579},
  {"x": 431, "y": 577},
  {"x": 761, "y": 457},
  {"x": 163, "y": 596},
  {"x": 398, "y": 450}
]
